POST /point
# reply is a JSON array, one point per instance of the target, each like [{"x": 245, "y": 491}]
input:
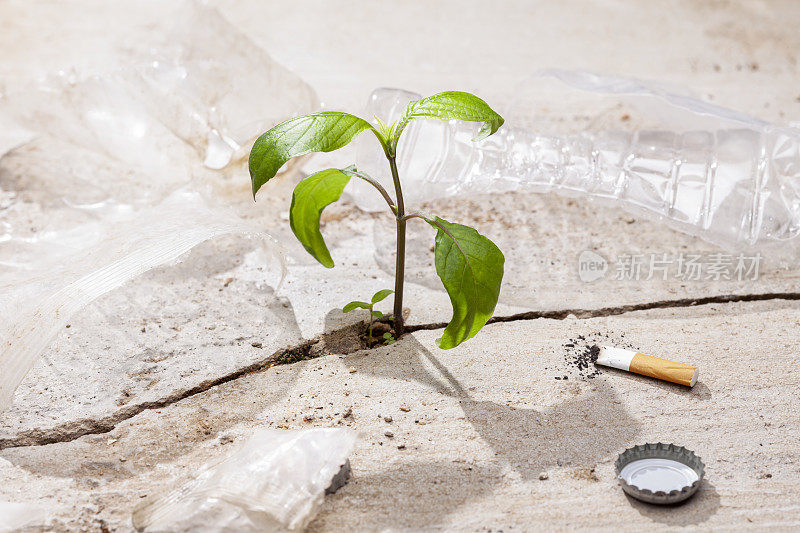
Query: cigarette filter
[{"x": 647, "y": 365}]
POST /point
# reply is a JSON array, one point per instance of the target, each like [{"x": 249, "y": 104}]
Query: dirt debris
[
  {"x": 582, "y": 351},
  {"x": 587, "y": 474}
]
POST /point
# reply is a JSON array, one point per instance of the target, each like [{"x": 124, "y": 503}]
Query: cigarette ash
[{"x": 582, "y": 351}]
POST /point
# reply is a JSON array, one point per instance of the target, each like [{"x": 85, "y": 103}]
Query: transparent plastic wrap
[
  {"x": 104, "y": 176},
  {"x": 57, "y": 274},
  {"x": 134, "y": 133},
  {"x": 731, "y": 179},
  {"x": 201, "y": 84},
  {"x": 275, "y": 481},
  {"x": 18, "y": 516},
  {"x": 15, "y": 515}
]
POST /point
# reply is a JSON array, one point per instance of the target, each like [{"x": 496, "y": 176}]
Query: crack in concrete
[
  {"x": 74, "y": 430},
  {"x": 315, "y": 348},
  {"x": 623, "y": 309}
]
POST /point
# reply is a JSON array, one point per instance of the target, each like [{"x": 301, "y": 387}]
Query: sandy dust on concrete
[{"x": 474, "y": 427}]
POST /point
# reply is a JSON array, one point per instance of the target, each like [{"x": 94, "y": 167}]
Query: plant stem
[
  {"x": 400, "y": 265},
  {"x": 375, "y": 184}
]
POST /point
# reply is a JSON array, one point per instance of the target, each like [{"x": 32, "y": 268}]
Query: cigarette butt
[{"x": 647, "y": 365}]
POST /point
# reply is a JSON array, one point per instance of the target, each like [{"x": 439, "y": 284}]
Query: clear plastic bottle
[{"x": 730, "y": 179}]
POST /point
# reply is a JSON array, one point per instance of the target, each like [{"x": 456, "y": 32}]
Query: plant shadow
[
  {"x": 408, "y": 496},
  {"x": 700, "y": 392},
  {"x": 579, "y": 431}
]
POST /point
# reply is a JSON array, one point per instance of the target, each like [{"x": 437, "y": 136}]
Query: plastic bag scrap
[
  {"x": 275, "y": 481},
  {"x": 103, "y": 182},
  {"x": 14, "y": 516},
  {"x": 137, "y": 132},
  {"x": 21, "y": 515},
  {"x": 201, "y": 83},
  {"x": 88, "y": 261},
  {"x": 731, "y": 179}
]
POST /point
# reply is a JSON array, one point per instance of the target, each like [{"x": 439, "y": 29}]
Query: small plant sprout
[
  {"x": 373, "y": 314},
  {"x": 469, "y": 265}
]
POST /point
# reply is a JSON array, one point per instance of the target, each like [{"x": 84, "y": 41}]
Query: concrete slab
[
  {"x": 472, "y": 429},
  {"x": 201, "y": 319}
]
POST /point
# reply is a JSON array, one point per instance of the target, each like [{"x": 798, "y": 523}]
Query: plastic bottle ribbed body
[
  {"x": 736, "y": 188},
  {"x": 730, "y": 179}
]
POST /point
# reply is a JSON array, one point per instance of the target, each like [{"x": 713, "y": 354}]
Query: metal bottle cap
[{"x": 659, "y": 473}]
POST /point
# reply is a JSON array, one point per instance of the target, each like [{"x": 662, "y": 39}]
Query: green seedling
[
  {"x": 373, "y": 314},
  {"x": 469, "y": 265},
  {"x": 388, "y": 339}
]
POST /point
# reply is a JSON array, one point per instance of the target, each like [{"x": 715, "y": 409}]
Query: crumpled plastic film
[
  {"x": 275, "y": 481},
  {"x": 37, "y": 298},
  {"x": 20, "y": 515},
  {"x": 731, "y": 179},
  {"x": 136, "y": 132},
  {"x": 106, "y": 174},
  {"x": 14, "y": 516},
  {"x": 202, "y": 85}
]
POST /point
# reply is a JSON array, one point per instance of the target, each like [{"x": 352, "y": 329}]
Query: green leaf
[
  {"x": 381, "y": 295},
  {"x": 356, "y": 305},
  {"x": 453, "y": 105},
  {"x": 377, "y": 314},
  {"x": 319, "y": 132},
  {"x": 471, "y": 269},
  {"x": 310, "y": 197}
]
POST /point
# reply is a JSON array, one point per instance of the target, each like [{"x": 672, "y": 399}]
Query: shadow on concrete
[
  {"x": 408, "y": 358},
  {"x": 696, "y": 510},
  {"x": 699, "y": 392},
  {"x": 573, "y": 433},
  {"x": 580, "y": 431},
  {"x": 408, "y": 496}
]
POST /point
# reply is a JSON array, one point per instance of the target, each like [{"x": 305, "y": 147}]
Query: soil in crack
[{"x": 382, "y": 334}]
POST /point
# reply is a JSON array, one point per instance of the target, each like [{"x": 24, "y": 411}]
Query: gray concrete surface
[
  {"x": 487, "y": 418},
  {"x": 483, "y": 421}
]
